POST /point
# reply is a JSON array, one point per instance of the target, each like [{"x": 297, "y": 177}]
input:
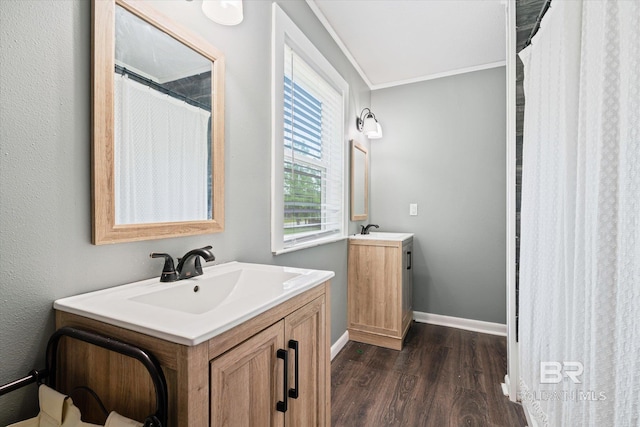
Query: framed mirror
[
  {"x": 359, "y": 182},
  {"x": 157, "y": 126}
]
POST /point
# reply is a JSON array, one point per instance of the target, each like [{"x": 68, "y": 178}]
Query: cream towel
[
  {"x": 117, "y": 420},
  {"x": 56, "y": 410}
]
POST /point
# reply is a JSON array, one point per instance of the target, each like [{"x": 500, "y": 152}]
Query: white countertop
[
  {"x": 383, "y": 235},
  {"x": 227, "y": 295}
]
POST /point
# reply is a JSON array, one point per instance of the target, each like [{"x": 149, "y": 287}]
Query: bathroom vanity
[
  {"x": 380, "y": 288},
  {"x": 240, "y": 345}
]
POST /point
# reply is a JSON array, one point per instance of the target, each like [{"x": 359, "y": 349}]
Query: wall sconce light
[
  {"x": 225, "y": 12},
  {"x": 368, "y": 124}
]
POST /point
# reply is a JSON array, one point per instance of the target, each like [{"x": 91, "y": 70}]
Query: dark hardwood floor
[{"x": 443, "y": 377}]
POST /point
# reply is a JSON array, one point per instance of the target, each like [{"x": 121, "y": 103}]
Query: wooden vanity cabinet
[
  {"x": 249, "y": 378},
  {"x": 234, "y": 379},
  {"x": 380, "y": 302}
]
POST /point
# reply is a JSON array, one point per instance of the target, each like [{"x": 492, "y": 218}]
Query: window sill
[{"x": 309, "y": 245}]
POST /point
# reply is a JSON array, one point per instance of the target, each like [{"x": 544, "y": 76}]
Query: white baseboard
[
  {"x": 460, "y": 323},
  {"x": 338, "y": 345},
  {"x": 506, "y": 385},
  {"x": 505, "y": 389}
]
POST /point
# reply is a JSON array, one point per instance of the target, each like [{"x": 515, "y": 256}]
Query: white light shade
[
  {"x": 372, "y": 128},
  {"x": 377, "y": 134},
  {"x": 225, "y": 12}
]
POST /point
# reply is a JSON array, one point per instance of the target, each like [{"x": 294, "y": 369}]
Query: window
[{"x": 308, "y": 194}]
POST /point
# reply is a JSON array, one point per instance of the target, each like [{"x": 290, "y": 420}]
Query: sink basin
[
  {"x": 382, "y": 235},
  {"x": 192, "y": 311},
  {"x": 197, "y": 296}
]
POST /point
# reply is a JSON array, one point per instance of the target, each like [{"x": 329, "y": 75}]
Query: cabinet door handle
[
  {"x": 409, "y": 260},
  {"x": 293, "y": 392},
  {"x": 282, "y": 405}
]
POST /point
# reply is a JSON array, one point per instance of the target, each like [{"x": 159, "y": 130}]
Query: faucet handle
[{"x": 168, "y": 271}]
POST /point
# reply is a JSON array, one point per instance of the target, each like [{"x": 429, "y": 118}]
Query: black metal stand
[
  {"x": 158, "y": 419},
  {"x": 34, "y": 376}
]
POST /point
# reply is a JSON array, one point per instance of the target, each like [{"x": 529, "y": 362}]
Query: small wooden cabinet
[
  {"x": 380, "y": 303},
  {"x": 234, "y": 379}
]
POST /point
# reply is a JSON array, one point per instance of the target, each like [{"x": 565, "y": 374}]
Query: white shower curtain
[
  {"x": 580, "y": 248},
  {"x": 161, "y": 158}
]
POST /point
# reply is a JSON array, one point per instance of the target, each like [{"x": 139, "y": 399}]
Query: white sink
[
  {"x": 194, "y": 310},
  {"x": 382, "y": 235}
]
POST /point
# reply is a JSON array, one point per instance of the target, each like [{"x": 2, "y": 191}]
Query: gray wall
[
  {"x": 444, "y": 148},
  {"x": 45, "y": 214}
]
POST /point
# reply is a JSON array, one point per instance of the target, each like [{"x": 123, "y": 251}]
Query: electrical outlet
[{"x": 413, "y": 209}]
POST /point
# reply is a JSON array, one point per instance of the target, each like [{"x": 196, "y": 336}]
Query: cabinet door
[
  {"x": 374, "y": 288},
  {"x": 305, "y": 329},
  {"x": 246, "y": 382}
]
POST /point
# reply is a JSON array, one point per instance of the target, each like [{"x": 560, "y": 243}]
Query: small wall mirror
[
  {"x": 158, "y": 126},
  {"x": 359, "y": 182}
]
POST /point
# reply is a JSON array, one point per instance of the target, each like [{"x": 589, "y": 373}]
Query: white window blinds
[
  {"x": 308, "y": 194},
  {"x": 313, "y": 153}
]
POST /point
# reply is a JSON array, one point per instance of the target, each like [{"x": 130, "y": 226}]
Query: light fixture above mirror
[{"x": 368, "y": 124}]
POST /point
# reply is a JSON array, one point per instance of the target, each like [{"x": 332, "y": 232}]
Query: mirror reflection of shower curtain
[
  {"x": 580, "y": 244},
  {"x": 160, "y": 155}
]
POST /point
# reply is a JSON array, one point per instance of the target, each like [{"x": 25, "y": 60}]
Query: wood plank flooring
[{"x": 443, "y": 377}]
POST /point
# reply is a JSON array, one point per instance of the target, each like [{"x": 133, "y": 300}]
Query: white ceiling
[{"x": 393, "y": 42}]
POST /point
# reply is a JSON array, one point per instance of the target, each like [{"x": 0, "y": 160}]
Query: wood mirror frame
[
  {"x": 105, "y": 230},
  {"x": 359, "y": 193}
]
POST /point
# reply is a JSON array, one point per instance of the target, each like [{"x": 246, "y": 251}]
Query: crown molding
[
  {"x": 325, "y": 23},
  {"x": 440, "y": 75}
]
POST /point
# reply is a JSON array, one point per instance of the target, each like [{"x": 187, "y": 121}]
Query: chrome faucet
[
  {"x": 188, "y": 266},
  {"x": 365, "y": 230}
]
